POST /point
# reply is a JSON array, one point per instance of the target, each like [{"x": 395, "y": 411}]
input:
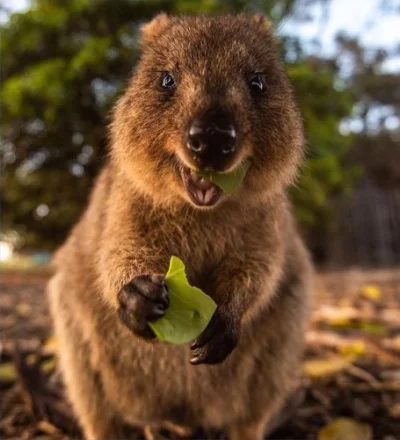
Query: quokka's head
[{"x": 207, "y": 94}]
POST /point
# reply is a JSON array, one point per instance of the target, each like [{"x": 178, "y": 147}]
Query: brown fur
[{"x": 245, "y": 252}]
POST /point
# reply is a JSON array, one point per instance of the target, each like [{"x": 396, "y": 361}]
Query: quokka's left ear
[{"x": 154, "y": 27}]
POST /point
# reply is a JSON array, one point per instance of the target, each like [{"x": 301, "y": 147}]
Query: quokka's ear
[
  {"x": 262, "y": 21},
  {"x": 154, "y": 27}
]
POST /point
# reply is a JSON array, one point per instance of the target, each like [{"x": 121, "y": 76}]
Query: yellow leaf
[
  {"x": 337, "y": 316},
  {"x": 48, "y": 366},
  {"x": 371, "y": 291},
  {"x": 340, "y": 322},
  {"x": 355, "y": 348},
  {"x": 50, "y": 346},
  {"x": 317, "y": 368},
  {"x": 7, "y": 373},
  {"x": 345, "y": 429}
]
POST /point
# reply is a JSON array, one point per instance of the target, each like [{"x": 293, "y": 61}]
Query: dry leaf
[
  {"x": 23, "y": 309},
  {"x": 50, "y": 346},
  {"x": 317, "y": 368},
  {"x": 337, "y": 316},
  {"x": 8, "y": 373},
  {"x": 345, "y": 429},
  {"x": 48, "y": 366},
  {"x": 374, "y": 328},
  {"x": 371, "y": 291},
  {"x": 32, "y": 359},
  {"x": 354, "y": 348}
]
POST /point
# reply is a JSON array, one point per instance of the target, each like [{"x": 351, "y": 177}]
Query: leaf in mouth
[
  {"x": 228, "y": 182},
  {"x": 190, "y": 309}
]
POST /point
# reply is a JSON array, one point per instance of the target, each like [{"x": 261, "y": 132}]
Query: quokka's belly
[{"x": 154, "y": 383}]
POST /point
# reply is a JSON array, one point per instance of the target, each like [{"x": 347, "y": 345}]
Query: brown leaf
[{"x": 23, "y": 309}]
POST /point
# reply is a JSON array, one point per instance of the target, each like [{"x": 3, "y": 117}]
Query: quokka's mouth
[{"x": 202, "y": 192}]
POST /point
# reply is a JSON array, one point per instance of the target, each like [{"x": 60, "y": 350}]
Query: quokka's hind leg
[
  {"x": 83, "y": 388},
  {"x": 292, "y": 403}
]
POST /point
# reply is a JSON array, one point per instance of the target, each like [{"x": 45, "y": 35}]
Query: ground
[{"x": 351, "y": 370}]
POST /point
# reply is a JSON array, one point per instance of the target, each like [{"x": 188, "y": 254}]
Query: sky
[
  {"x": 354, "y": 17},
  {"x": 361, "y": 18}
]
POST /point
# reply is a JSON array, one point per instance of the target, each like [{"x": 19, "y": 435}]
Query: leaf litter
[{"x": 351, "y": 381}]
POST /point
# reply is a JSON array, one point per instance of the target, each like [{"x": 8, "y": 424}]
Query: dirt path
[{"x": 352, "y": 368}]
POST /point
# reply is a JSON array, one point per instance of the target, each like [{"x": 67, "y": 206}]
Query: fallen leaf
[
  {"x": 48, "y": 366},
  {"x": 32, "y": 359},
  {"x": 374, "y": 328},
  {"x": 337, "y": 316},
  {"x": 50, "y": 345},
  {"x": 371, "y": 291},
  {"x": 391, "y": 316},
  {"x": 8, "y": 373},
  {"x": 23, "y": 309},
  {"x": 318, "y": 368},
  {"x": 345, "y": 429},
  {"x": 355, "y": 348}
]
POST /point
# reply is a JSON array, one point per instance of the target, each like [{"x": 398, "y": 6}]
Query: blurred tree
[
  {"x": 64, "y": 63},
  {"x": 376, "y": 117},
  {"x": 323, "y": 105}
]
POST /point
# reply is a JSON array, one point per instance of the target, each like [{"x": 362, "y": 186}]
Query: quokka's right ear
[
  {"x": 262, "y": 21},
  {"x": 154, "y": 27}
]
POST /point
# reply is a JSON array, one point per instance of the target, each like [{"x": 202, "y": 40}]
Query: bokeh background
[{"x": 64, "y": 62}]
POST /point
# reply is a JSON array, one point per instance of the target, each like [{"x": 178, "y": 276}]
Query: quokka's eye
[
  {"x": 167, "y": 81},
  {"x": 256, "y": 83}
]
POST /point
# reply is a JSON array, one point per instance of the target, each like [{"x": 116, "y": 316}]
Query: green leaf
[
  {"x": 189, "y": 312},
  {"x": 228, "y": 182}
]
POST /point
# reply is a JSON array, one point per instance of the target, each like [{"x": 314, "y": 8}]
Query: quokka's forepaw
[
  {"x": 217, "y": 341},
  {"x": 142, "y": 300}
]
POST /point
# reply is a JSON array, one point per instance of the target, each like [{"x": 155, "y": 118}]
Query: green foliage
[
  {"x": 64, "y": 63},
  {"x": 323, "y": 174}
]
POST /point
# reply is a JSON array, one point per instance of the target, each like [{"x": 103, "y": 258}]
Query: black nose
[{"x": 212, "y": 138}]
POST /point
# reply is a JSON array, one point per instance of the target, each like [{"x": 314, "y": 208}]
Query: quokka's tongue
[{"x": 202, "y": 189}]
